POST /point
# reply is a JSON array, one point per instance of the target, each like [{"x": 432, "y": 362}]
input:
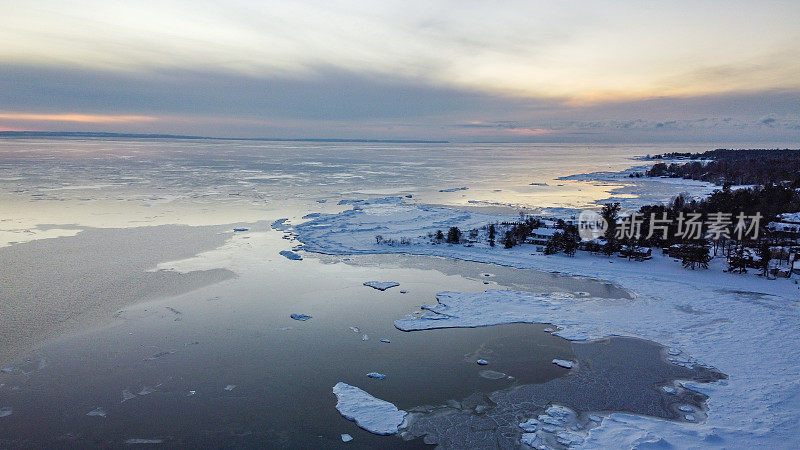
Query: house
[
  {"x": 787, "y": 227},
  {"x": 637, "y": 253},
  {"x": 593, "y": 245},
  {"x": 540, "y": 236}
]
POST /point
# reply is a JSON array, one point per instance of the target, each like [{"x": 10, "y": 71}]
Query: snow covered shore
[{"x": 742, "y": 325}]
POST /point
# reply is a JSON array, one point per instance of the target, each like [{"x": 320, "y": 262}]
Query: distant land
[{"x": 81, "y": 134}]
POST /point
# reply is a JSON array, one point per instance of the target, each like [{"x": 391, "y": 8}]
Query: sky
[{"x": 554, "y": 71}]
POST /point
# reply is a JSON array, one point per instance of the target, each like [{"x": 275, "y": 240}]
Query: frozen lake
[{"x": 214, "y": 358}]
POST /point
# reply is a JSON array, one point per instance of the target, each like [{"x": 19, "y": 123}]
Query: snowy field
[{"x": 741, "y": 325}]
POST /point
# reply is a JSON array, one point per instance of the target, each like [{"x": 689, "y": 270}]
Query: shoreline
[
  {"x": 51, "y": 288},
  {"x": 704, "y": 315}
]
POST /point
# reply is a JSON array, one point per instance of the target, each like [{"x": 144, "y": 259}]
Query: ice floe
[
  {"x": 376, "y": 375},
  {"x": 230, "y": 387},
  {"x": 346, "y": 437},
  {"x": 97, "y": 412},
  {"x": 482, "y": 362},
  {"x": 557, "y": 427},
  {"x": 386, "y": 341},
  {"x": 370, "y": 413},
  {"x": 6, "y": 411},
  {"x": 563, "y": 363},
  {"x": 381, "y": 285},
  {"x": 300, "y": 317}
]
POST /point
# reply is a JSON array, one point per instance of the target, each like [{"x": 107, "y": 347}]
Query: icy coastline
[{"x": 742, "y": 325}]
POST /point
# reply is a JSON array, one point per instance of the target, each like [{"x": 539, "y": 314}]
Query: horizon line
[{"x": 93, "y": 134}]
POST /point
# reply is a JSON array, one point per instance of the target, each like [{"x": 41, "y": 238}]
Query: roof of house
[
  {"x": 791, "y": 217},
  {"x": 544, "y": 231}
]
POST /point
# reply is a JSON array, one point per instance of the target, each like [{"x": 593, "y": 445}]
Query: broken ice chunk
[
  {"x": 240, "y": 229},
  {"x": 365, "y": 338},
  {"x": 355, "y": 329},
  {"x": 531, "y": 440},
  {"x": 530, "y": 425},
  {"x": 563, "y": 363},
  {"x": 135, "y": 441},
  {"x": 230, "y": 387},
  {"x": 370, "y": 413},
  {"x": 482, "y": 362},
  {"x": 346, "y": 438},
  {"x": 385, "y": 341},
  {"x": 300, "y": 317},
  {"x": 381, "y": 285},
  {"x": 6, "y": 411},
  {"x": 376, "y": 375},
  {"x": 668, "y": 389},
  {"x": 146, "y": 390},
  {"x": 685, "y": 408},
  {"x": 127, "y": 395},
  {"x": 97, "y": 412}
]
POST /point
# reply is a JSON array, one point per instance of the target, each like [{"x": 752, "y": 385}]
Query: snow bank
[{"x": 372, "y": 414}]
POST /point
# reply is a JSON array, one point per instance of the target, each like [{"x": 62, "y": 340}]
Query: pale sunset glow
[
  {"x": 80, "y": 118},
  {"x": 542, "y": 65}
]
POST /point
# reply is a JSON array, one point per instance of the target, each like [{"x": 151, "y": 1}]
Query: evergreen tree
[{"x": 453, "y": 235}]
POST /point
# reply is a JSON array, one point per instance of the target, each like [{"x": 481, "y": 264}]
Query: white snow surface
[
  {"x": 370, "y": 413},
  {"x": 743, "y": 325}
]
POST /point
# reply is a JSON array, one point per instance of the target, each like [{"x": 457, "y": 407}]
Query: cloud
[
  {"x": 585, "y": 51},
  {"x": 342, "y": 104},
  {"x": 74, "y": 117}
]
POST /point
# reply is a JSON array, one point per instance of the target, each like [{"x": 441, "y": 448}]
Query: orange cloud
[{"x": 81, "y": 118}]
